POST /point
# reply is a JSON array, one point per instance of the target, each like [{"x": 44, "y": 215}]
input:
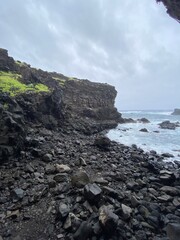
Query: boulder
[
  {"x": 143, "y": 130},
  {"x": 168, "y": 125},
  {"x": 143, "y": 120}
]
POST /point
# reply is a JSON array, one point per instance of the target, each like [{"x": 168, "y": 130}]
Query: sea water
[{"x": 160, "y": 140}]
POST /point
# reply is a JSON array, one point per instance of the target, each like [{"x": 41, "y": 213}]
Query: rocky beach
[{"x": 62, "y": 178}]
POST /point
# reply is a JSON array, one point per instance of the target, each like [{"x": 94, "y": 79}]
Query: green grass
[
  {"x": 61, "y": 81},
  {"x": 9, "y": 83}
]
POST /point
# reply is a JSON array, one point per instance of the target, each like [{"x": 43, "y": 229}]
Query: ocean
[{"x": 160, "y": 140}]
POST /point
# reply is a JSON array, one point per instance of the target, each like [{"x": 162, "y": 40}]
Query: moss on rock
[{"x": 10, "y": 83}]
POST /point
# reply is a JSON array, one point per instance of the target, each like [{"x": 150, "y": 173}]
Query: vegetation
[
  {"x": 10, "y": 83},
  {"x": 60, "y": 80}
]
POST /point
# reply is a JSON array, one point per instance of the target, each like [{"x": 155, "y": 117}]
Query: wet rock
[
  {"x": 50, "y": 169},
  {"x": 111, "y": 192},
  {"x": 134, "y": 201},
  {"x": 108, "y": 220},
  {"x": 173, "y": 231},
  {"x": 143, "y": 120},
  {"x": 80, "y": 179},
  {"x": 92, "y": 192},
  {"x": 143, "y": 130},
  {"x": 167, "y": 155},
  {"x": 168, "y": 125}
]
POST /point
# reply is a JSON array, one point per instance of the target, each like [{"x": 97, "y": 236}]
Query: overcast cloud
[{"x": 132, "y": 44}]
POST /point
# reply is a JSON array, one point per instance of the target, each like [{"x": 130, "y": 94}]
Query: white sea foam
[{"x": 160, "y": 140}]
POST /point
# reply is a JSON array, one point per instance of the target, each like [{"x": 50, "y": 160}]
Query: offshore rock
[{"x": 176, "y": 111}]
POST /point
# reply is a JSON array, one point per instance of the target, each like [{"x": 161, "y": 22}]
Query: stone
[
  {"x": 63, "y": 210},
  {"x": 80, "y": 179},
  {"x": 17, "y": 193},
  {"x": 170, "y": 190},
  {"x": 108, "y": 220},
  {"x": 72, "y": 222},
  {"x": 173, "y": 231},
  {"x": 82, "y": 162},
  {"x": 126, "y": 211},
  {"x": 47, "y": 157},
  {"x": 134, "y": 201},
  {"x": 62, "y": 168},
  {"x": 61, "y": 177},
  {"x": 84, "y": 231},
  {"x": 92, "y": 192},
  {"x": 102, "y": 142},
  {"x": 165, "y": 198},
  {"x": 167, "y": 155}
]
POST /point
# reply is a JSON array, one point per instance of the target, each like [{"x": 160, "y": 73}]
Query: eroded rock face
[
  {"x": 6, "y": 63},
  {"x": 77, "y": 104},
  {"x": 173, "y": 8}
]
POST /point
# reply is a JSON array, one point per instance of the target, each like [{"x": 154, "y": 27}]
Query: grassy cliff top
[{"x": 10, "y": 83}]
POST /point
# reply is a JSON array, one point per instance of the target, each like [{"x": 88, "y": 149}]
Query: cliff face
[
  {"x": 173, "y": 8},
  {"x": 34, "y": 97}
]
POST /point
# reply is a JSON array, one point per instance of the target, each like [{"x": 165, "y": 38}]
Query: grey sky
[{"x": 132, "y": 44}]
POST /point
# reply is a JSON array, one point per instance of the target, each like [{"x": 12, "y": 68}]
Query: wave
[{"x": 156, "y": 112}]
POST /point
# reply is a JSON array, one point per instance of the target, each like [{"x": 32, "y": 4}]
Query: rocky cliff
[
  {"x": 173, "y": 8},
  {"x": 30, "y": 96}
]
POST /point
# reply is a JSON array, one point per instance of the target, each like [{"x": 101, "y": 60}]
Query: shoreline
[{"x": 141, "y": 192}]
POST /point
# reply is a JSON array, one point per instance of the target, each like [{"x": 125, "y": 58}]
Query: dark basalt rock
[
  {"x": 143, "y": 130},
  {"x": 92, "y": 192},
  {"x": 102, "y": 142},
  {"x": 143, "y": 120},
  {"x": 168, "y": 125},
  {"x": 176, "y": 111},
  {"x": 108, "y": 220},
  {"x": 173, "y": 231},
  {"x": 173, "y": 8}
]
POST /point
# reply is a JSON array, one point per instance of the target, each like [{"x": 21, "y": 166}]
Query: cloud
[{"x": 133, "y": 45}]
